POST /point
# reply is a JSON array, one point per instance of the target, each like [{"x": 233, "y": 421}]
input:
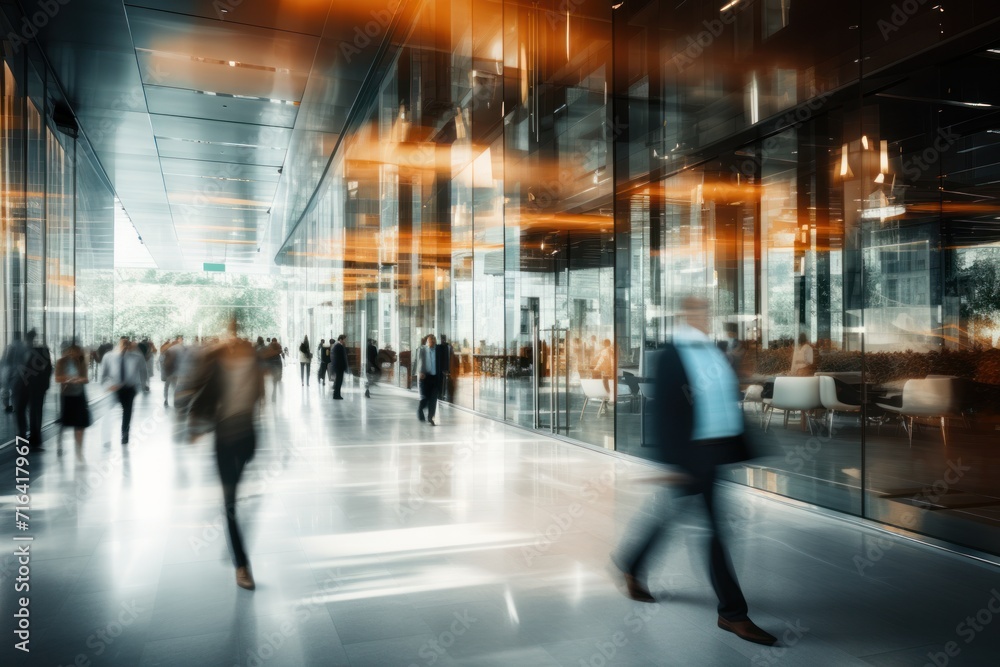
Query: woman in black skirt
[{"x": 71, "y": 374}]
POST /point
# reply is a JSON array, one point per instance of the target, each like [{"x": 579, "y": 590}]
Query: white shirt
[
  {"x": 427, "y": 360},
  {"x": 714, "y": 387},
  {"x": 135, "y": 369},
  {"x": 802, "y": 357}
]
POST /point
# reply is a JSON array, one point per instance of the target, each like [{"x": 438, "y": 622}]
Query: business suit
[
  {"x": 427, "y": 372},
  {"x": 680, "y": 428},
  {"x": 127, "y": 372},
  {"x": 373, "y": 369},
  {"x": 30, "y": 383},
  {"x": 324, "y": 362},
  {"x": 443, "y": 359},
  {"x": 338, "y": 358}
]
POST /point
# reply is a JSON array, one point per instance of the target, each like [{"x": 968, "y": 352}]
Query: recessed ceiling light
[{"x": 232, "y": 63}]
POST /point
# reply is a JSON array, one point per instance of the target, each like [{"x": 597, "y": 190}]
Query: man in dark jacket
[
  {"x": 324, "y": 361},
  {"x": 700, "y": 428},
  {"x": 338, "y": 358},
  {"x": 443, "y": 350},
  {"x": 31, "y": 379},
  {"x": 373, "y": 369}
]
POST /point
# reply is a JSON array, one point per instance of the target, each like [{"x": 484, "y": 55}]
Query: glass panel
[
  {"x": 931, "y": 259},
  {"x": 515, "y": 187}
]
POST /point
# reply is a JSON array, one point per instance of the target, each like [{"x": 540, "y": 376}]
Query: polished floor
[{"x": 377, "y": 540}]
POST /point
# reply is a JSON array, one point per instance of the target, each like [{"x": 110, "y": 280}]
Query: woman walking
[
  {"x": 71, "y": 374},
  {"x": 305, "y": 361}
]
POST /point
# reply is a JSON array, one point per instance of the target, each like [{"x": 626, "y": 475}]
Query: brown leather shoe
[
  {"x": 244, "y": 579},
  {"x": 632, "y": 588},
  {"x": 637, "y": 591},
  {"x": 746, "y": 629}
]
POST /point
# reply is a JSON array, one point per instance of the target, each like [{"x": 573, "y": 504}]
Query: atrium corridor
[{"x": 377, "y": 540}]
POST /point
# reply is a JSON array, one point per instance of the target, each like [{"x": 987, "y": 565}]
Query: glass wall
[
  {"x": 541, "y": 184},
  {"x": 56, "y": 221}
]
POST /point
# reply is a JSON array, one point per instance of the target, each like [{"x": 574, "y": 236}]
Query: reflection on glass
[{"x": 532, "y": 183}]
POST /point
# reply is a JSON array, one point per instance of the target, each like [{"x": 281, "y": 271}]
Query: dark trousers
[
  {"x": 28, "y": 412},
  {"x": 323, "y": 365},
  {"x": 651, "y": 526},
  {"x": 428, "y": 396},
  {"x": 338, "y": 382},
  {"x": 20, "y": 403},
  {"x": 126, "y": 396},
  {"x": 235, "y": 442},
  {"x": 304, "y": 371}
]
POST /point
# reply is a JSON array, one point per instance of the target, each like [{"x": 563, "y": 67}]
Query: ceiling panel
[
  {"x": 219, "y": 77},
  {"x": 193, "y": 169},
  {"x": 219, "y": 152},
  {"x": 215, "y": 131},
  {"x": 195, "y": 104},
  {"x": 305, "y": 16},
  {"x": 189, "y": 216},
  {"x": 173, "y": 166},
  {"x": 223, "y": 187},
  {"x": 191, "y": 37}
]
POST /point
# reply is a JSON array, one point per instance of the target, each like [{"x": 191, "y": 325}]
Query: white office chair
[
  {"x": 794, "y": 394},
  {"x": 930, "y": 398},
  {"x": 593, "y": 390},
  {"x": 828, "y": 397},
  {"x": 754, "y": 394}
]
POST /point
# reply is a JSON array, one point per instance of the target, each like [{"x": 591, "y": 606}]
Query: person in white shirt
[
  {"x": 802, "y": 358},
  {"x": 428, "y": 376},
  {"x": 125, "y": 370},
  {"x": 700, "y": 428}
]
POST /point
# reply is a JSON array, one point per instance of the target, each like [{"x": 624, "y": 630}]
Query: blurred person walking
[
  {"x": 271, "y": 359},
  {"x": 700, "y": 428},
  {"x": 305, "y": 361},
  {"x": 32, "y": 376},
  {"x": 444, "y": 352},
  {"x": 338, "y": 359},
  {"x": 605, "y": 367},
  {"x": 71, "y": 375},
  {"x": 125, "y": 369},
  {"x": 324, "y": 361},
  {"x": 8, "y": 370},
  {"x": 170, "y": 362},
  {"x": 372, "y": 367},
  {"x": 228, "y": 385},
  {"x": 802, "y": 358},
  {"x": 427, "y": 375}
]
